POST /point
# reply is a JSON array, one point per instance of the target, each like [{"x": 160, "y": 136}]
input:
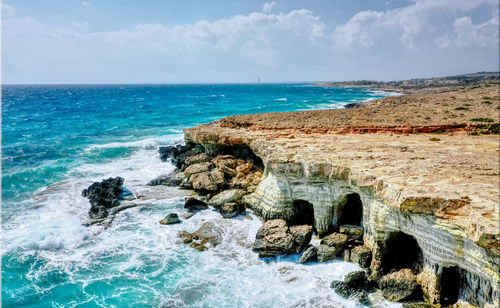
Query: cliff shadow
[
  {"x": 350, "y": 211},
  {"x": 401, "y": 251},
  {"x": 303, "y": 213}
]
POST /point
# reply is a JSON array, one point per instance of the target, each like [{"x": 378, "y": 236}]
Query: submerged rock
[
  {"x": 172, "y": 179},
  {"x": 309, "y": 254},
  {"x": 171, "y": 218},
  {"x": 186, "y": 237},
  {"x": 193, "y": 204},
  {"x": 399, "y": 285},
  {"x": 210, "y": 232}
]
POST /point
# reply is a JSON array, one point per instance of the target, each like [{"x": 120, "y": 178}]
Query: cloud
[
  {"x": 7, "y": 10},
  {"x": 268, "y": 6},
  {"x": 420, "y": 25},
  {"x": 85, "y": 3}
]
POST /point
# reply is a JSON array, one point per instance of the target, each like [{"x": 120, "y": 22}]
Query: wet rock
[
  {"x": 399, "y": 285},
  {"x": 171, "y": 218},
  {"x": 105, "y": 193},
  {"x": 198, "y": 246},
  {"x": 186, "y": 236},
  {"x": 196, "y": 159},
  {"x": 331, "y": 246},
  {"x": 309, "y": 254},
  {"x": 177, "y": 154},
  {"x": 301, "y": 235},
  {"x": 231, "y": 209},
  {"x": 361, "y": 255},
  {"x": 353, "y": 232},
  {"x": 172, "y": 179},
  {"x": 193, "y": 204},
  {"x": 273, "y": 239},
  {"x": 198, "y": 168},
  {"x": 210, "y": 232},
  {"x": 97, "y": 212},
  {"x": 227, "y": 196},
  {"x": 354, "y": 286}
]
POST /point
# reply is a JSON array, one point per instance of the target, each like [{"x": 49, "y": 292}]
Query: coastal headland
[{"x": 418, "y": 173}]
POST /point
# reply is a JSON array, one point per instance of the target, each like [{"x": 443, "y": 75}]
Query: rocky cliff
[{"x": 428, "y": 202}]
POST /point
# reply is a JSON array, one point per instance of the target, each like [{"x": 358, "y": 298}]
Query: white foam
[{"x": 284, "y": 99}]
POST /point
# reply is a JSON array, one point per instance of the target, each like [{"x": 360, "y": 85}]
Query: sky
[{"x": 172, "y": 41}]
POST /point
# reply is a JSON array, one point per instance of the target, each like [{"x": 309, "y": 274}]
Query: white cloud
[
  {"x": 268, "y": 6},
  {"x": 7, "y": 10},
  {"x": 419, "y": 25},
  {"x": 85, "y": 3}
]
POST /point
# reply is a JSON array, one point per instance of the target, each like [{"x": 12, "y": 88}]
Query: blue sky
[{"x": 66, "y": 41}]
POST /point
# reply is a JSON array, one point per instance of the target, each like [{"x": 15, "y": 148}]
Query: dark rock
[
  {"x": 193, "y": 204},
  {"x": 171, "y": 218},
  {"x": 420, "y": 305},
  {"x": 185, "y": 184},
  {"x": 178, "y": 154},
  {"x": 103, "y": 195},
  {"x": 97, "y": 212},
  {"x": 342, "y": 289},
  {"x": 301, "y": 235},
  {"x": 399, "y": 285},
  {"x": 309, "y": 254},
  {"x": 356, "y": 280},
  {"x": 172, "y": 179},
  {"x": 361, "y": 255},
  {"x": 231, "y": 209}
]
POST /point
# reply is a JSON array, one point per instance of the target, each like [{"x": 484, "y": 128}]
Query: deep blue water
[{"x": 58, "y": 139}]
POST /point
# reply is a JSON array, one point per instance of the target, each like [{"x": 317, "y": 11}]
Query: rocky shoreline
[{"x": 418, "y": 212}]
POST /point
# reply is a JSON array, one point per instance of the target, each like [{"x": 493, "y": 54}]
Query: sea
[{"x": 59, "y": 139}]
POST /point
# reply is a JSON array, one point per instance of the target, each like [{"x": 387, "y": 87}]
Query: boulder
[
  {"x": 210, "y": 232},
  {"x": 203, "y": 182},
  {"x": 331, "y": 246},
  {"x": 196, "y": 159},
  {"x": 273, "y": 239},
  {"x": 353, "y": 232},
  {"x": 227, "y": 196},
  {"x": 172, "y": 179},
  {"x": 198, "y": 168},
  {"x": 356, "y": 280},
  {"x": 399, "y": 285},
  {"x": 361, "y": 255},
  {"x": 301, "y": 235},
  {"x": 225, "y": 161},
  {"x": 171, "y": 218},
  {"x": 231, "y": 209},
  {"x": 217, "y": 177},
  {"x": 193, "y": 204},
  {"x": 309, "y": 254},
  {"x": 354, "y": 286},
  {"x": 105, "y": 193}
]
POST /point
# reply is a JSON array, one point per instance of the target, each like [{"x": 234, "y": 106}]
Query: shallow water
[{"x": 57, "y": 140}]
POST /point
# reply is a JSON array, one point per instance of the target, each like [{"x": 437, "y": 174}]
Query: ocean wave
[
  {"x": 148, "y": 143},
  {"x": 284, "y": 99}
]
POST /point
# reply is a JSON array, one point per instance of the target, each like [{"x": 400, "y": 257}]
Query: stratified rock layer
[{"x": 439, "y": 190}]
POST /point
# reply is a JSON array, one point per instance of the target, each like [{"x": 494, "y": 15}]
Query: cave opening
[
  {"x": 351, "y": 210},
  {"x": 401, "y": 251},
  {"x": 303, "y": 213},
  {"x": 450, "y": 285}
]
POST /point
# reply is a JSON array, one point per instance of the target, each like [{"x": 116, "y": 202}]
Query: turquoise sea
[{"x": 58, "y": 139}]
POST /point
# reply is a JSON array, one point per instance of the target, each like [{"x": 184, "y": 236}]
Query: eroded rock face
[
  {"x": 399, "y": 285},
  {"x": 103, "y": 195},
  {"x": 309, "y": 254}
]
